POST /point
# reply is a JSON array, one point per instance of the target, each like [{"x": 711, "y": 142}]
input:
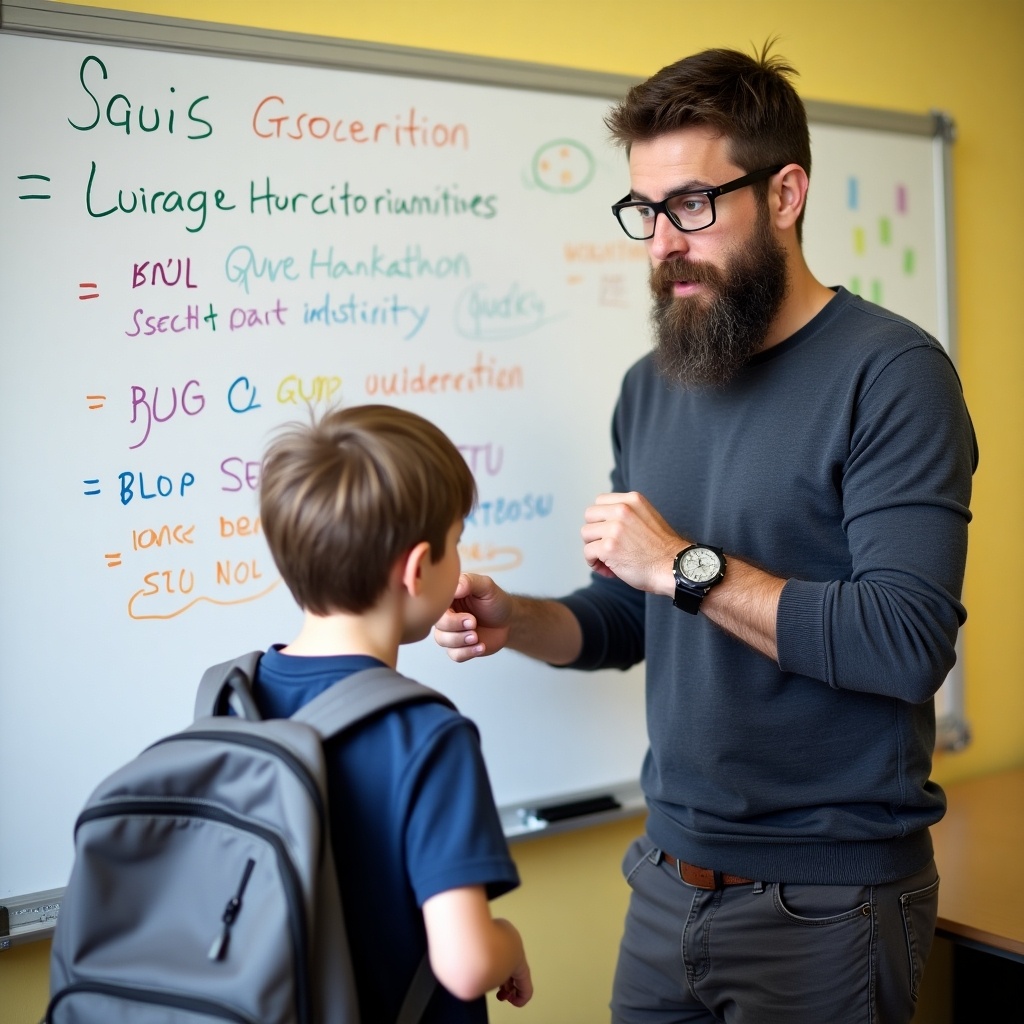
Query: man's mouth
[
  {"x": 681, "y": 287},
  {"x": 679, "y": 280}
]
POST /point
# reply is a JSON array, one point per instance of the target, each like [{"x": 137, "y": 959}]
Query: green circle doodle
[{"x": 591, "y": 166}]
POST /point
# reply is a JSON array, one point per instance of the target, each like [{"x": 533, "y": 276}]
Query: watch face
[{"x": 700, "y": 565}]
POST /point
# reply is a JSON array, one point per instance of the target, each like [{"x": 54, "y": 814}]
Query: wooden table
[{"x": 979, "y": 851}]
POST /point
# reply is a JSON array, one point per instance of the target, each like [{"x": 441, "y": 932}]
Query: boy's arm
[{"x": 471, "y": 952}]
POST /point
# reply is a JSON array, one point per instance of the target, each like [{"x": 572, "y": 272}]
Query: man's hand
[
  {"x": 477, "y": 623},
  {"x": 625, "y": 536},
  {"x": 484, "y": 618}
]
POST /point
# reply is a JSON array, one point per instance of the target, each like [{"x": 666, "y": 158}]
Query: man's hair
[
  {"x": 747, "y": 99},
  {"x": 343, "y": 497}
]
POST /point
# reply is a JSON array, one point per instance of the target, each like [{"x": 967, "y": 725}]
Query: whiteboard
[{"x": 194, "y": 246}]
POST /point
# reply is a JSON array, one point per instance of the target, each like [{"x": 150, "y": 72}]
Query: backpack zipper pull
[{"x": 220, "y": 942}]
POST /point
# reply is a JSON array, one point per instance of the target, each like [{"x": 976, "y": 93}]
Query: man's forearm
[
  {"x": 545, "y": 630},
  {"x": 746, "y": 606}
]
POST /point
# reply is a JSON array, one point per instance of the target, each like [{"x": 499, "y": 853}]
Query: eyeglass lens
[{"x": 690, "y": 212}]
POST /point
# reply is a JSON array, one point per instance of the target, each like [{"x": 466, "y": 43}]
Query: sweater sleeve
[
  {"x": 891, "y": 628},
  {"x": 611, "y": 613},
  {"x": 611, "y": 616}
]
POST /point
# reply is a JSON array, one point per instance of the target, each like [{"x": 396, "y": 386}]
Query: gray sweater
[{"x": 841, "y": 461}]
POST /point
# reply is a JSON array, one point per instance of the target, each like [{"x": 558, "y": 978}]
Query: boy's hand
[
  {"x": 518, "y": 990},
  {"x": 477, "y": 623}
]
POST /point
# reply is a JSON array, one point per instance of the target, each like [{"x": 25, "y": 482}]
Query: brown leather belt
[{"x": 703, "y": 878}]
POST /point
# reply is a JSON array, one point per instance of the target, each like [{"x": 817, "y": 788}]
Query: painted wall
[{"x": 911, "y": 55}]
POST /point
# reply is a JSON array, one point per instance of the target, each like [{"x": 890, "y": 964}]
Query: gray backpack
[{"x": 204, "y": 886}]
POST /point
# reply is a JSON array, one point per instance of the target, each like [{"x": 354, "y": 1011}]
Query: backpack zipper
[
  {"x": 220, "y": 943},
  {"x": 270, "y": 747},
  {"x": 139, "y": 995}
]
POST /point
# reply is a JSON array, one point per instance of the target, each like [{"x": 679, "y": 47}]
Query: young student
[{"x": 363, "y": 512}]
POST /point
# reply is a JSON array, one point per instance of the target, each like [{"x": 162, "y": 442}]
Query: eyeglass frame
[{"x": 712, "y": 193}]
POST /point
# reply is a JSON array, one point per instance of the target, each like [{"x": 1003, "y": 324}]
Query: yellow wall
[{"x": 915, "y": 55}]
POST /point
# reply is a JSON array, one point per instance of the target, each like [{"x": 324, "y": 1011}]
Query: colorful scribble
[
  {"x": 146, "y": 325},
  {"x": 160, "y": 199},
  {"x": 483, "y": 458},
  {"x": 486, "y": 314},
  {"x": 443, "y": 201},
  {"x": 294, "y": 390},
  {"x": 613, "y": 291},
  {"x": 243, "y": 473},
  {"x": 178, "y": 271},
  {"x": 386, "y": 312},
  {"x": 620, "y": 251},
  {"x": 162, "y": 536},
  {"x": 152, "y": 589},
  {"x": 563, "y": 165},
  {"x": 248, "y": 316},
  {"x": 145, "y": 406},
  {"x": 483, "y": 375},
  {"x": 886, "y": 236},
  {"x": 118, "y": 112},
  {"x": 273, "y": 118},
  {"x": 501, "y": 511},
  {"x": 134, "y": 486},
  {"x": 489, "y": 558}
]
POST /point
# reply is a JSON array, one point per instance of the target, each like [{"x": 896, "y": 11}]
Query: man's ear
[
  {"x": 410, "y": 568},
  {"x": 787, "y": 198}
]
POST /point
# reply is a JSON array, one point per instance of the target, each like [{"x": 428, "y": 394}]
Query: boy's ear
[{"x": 411, "y": 568}]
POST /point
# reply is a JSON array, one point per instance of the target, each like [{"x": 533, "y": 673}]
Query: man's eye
[
  {"x": 691, "y": 204},
  {"x": 645, "y": 212}
]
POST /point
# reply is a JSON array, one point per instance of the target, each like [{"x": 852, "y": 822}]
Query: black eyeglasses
[{"x": 691, "y": 210}]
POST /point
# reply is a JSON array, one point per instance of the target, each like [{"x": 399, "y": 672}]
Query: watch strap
[{"x": 687, "y": 601}]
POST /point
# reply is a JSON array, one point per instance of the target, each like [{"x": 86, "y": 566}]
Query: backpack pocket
[
  {"x": 184, "y": 897},
  {"x": 87, "y": 1002}
]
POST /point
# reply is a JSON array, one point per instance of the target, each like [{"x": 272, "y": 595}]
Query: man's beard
[{"x": 703, "y": 344}]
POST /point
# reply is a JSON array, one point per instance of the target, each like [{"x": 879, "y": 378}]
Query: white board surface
[{"x": 192, "y": 247}]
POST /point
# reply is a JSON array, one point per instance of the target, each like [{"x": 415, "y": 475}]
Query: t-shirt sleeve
[{"x": 453, "y": 836}]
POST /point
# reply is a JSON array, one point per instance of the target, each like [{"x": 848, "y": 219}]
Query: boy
[{"x": 363, "y": 512}]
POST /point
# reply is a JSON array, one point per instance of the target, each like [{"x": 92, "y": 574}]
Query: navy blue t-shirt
[{"x": 412, "y": 814}]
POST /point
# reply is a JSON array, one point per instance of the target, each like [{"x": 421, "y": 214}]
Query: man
[{"x": 784, "y": 542}]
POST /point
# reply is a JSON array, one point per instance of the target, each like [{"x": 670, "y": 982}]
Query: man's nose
[{"x": 667, "y": 242}]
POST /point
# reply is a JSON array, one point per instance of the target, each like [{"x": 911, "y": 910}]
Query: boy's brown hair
[
  {"x": 343, "y": 497},
  {"x": 747, "y": 99}
]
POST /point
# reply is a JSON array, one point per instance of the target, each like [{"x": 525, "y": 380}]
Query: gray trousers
[{"x": 770, "y": 953}]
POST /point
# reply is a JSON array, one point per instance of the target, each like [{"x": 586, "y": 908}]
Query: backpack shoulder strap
[
  {"x": 421, "y": 988},
  {"x": 219, "y": 682},
  {"x": 360, "y": 695},
  {"x": 340, "y": 706}
]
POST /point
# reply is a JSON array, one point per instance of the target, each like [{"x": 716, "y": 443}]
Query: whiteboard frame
[{"x": 43, "y": 18}]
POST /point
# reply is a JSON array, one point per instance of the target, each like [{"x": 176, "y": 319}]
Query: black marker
[{"x": 573, "y": 809}]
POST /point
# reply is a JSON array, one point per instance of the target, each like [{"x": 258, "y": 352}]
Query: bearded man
[{"x": 784, "y": 543}]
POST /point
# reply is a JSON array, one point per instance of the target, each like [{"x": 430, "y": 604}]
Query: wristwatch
[{"x": 696, "y": 569}]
